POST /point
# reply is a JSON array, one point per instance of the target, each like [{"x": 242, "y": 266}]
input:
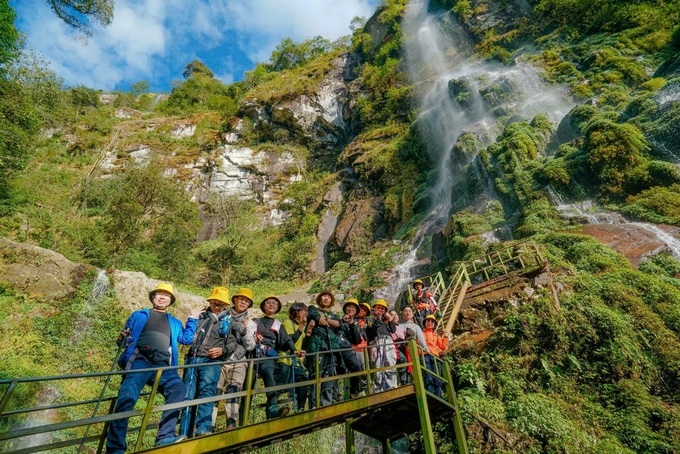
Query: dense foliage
[{"x": 601, "y": 374}]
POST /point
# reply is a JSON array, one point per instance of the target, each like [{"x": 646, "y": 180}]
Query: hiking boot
[
  {"x": 170, "y": 440},
  {"x": 283, "y": 411}
]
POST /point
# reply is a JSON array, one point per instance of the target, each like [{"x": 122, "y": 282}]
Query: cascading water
[
  {"x": 461, "y": 99},
  {"x": 81, "y": 327},
  {"x": 585, "y": 212}
]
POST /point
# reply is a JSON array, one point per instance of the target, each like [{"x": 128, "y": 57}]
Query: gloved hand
[{"x": 123, "y": 335}]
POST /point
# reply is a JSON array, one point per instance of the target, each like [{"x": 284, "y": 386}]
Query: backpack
[{"x": 225, "y": 324}]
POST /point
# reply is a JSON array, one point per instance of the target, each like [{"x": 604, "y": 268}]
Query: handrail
[
  {"x": 519, "y": 255},
  {"x": 250, "y": 393},
  {"x": 516, "y": 252},
  {"x": 450, "y": 299}
]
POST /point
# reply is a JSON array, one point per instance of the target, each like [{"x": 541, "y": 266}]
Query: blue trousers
[
  {"x": 200, "y": 382},
  {"x": 170, "y": 386},
  {"x": 432, "y": 383}
]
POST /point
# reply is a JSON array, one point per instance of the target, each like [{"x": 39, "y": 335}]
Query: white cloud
[{"x": 154, "y": 39}]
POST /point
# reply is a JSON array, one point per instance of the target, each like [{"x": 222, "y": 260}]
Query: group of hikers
[{"x": 224, "y": 338}]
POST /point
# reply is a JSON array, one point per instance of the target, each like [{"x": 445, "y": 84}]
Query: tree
[
  {"x": 77, "y": 13},
  {"x": 357, "y": 24},
  {"x": 152, "y": 217},
  {"x": 9, "y": 36},
  {"x": 289, "y": 54},
  {"x": 197, "y": 67},
  {"x": 83, "y": 98},
  {"x": 139, "y": 88}
]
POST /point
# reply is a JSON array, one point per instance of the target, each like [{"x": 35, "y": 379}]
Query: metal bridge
[{"x": 64, "y": 425}]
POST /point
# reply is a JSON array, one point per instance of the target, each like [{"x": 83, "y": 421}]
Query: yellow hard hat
[
  {"x": 163, "y": 287},
  {"x": 430, "y": 317},
  {"x": 325, "y": 292},
  {"x": 417, "y": 281},
  {"x": 381, "y": 302},
  {"x": 246, "y": 293},
  {"x": 220, "y": 294},
  {"x": 271, "y": 297},
  {"x": 351, "y": 301},
  {"x": 366, "y": 307}
]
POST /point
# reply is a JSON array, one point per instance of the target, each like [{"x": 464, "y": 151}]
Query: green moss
[
  {"x": 655, "y": 84},
  {"x": 660, "y": 205}
]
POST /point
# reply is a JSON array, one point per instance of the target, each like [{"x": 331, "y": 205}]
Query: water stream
[
  {"x": 586, "y": 212},
  {"x": 83, "y": 322},
  {"x": 460, "y": 98}
]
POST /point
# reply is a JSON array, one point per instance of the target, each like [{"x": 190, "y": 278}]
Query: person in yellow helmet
[
  {"x": 151, "y": 341},
  {"x": 212, "y": 344},
  {"x": 322, "y": 329},
  {"x": 358, "y": 384},
  {"x": 383, "y": 351},
  {"x": 348, "y": 336},
  {"x": 233, "y": 373},
  {"x": 436, "y": 345},
  {"x": 289, "y": 371},
  {"x": 272, "y": 338},
  {"x": 423, "y": 302}
]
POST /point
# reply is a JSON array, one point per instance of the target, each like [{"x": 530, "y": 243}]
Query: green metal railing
[
  {"x": 520, "y": 256},
  {"x": 434, "y": 283},
  {"x": 452, "y": 300},
  {"x": 69, "y": 427}
]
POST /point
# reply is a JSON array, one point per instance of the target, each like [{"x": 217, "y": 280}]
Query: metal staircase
[{"x": 521, "y": 258}]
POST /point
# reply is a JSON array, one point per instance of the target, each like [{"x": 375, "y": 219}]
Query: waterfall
[
  {"x": 83, "y": 322},
  {"x": 100, "y": 286},
  {"x": 670, "y": 241},
  {"x": 460, "y": 101}
]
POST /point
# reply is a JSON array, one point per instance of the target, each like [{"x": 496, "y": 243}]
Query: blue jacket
[{"x": 178, "y": 333}]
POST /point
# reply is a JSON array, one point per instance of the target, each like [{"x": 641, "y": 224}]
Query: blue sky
[{"x": 153, "y": 40}]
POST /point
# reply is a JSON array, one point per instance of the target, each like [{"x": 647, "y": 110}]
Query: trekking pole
[
  {"x": 292, "y": 380},
  {"x": 187, "y": 417},
  {"x": 121, "y": 345}
]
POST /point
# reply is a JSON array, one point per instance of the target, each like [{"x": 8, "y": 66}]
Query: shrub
[
  {"x": 613, "y": 150},
  {"x": 659, "y": 204}
]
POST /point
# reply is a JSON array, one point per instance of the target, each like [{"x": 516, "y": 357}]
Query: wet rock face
[
  {"x": 360, "y": 225},
  {"x": 634, "y": 241}
]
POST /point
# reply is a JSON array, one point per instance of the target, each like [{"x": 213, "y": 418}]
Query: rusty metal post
[
  {"x": 6, "y": 396},
  {"x": 367, "y": 368},
  {"x": 387, "y": 447},
  {"x": 249, "y": 391},
  {"x": 317, "y": 385},
  {"x": 105, "y": 429}
]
